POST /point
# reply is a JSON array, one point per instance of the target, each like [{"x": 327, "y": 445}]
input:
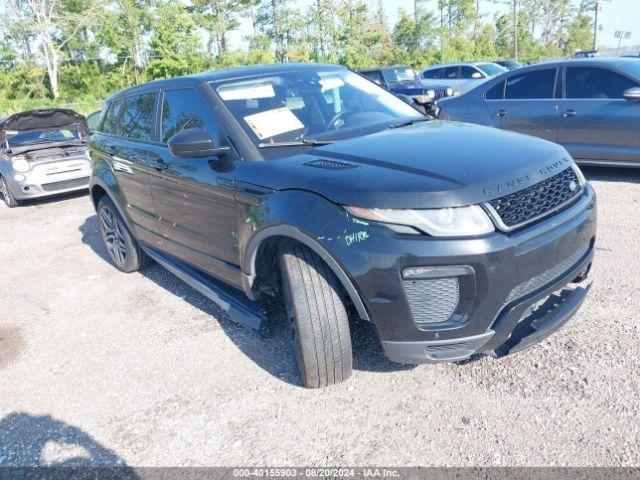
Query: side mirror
[
  {"x": 633, "y": 94},
  {"x": 477, "y": 75},
  {"x": 194, "y": 143}
]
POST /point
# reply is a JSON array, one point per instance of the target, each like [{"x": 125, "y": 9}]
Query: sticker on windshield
[
  {"x": 246, "y": 91},
  {"x": 273, "y": 122}
]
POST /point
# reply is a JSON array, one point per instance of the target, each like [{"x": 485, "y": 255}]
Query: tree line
[{"x": 73, "y": 50}]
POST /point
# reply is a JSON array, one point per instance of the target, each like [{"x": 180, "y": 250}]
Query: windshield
[
  {"x": 311, "y": 105},
  {"x": 492, "y": 69},
  {"x": 403, "y": 74},
  {"x": 32, "y": 137}
]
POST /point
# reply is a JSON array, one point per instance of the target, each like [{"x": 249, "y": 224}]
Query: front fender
[{"x": 324, "y": 227}]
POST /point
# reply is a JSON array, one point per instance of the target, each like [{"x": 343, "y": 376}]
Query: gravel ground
[{"x": 102, "y": 368}]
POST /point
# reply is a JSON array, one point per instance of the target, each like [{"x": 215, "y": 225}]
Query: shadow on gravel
[
  {"x": 612, "y": 174},
  {"x": 63, "y": 197},
  {"x": 28, "y": 441},
  {"x": 272, "y": 353}
]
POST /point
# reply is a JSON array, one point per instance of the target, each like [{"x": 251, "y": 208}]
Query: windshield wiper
[
  {"x": 297, "y": 143},
  {"x": 409, "y": 122}
]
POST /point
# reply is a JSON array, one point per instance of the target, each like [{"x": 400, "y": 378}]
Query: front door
[
  {"x": 193, "y": 197},
  {"x": 527, "y": 104},
  {"x": 596, "y": 122}
]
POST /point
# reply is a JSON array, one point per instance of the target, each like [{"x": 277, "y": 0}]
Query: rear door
[
  {"x": 596, "y": 122},
  {"x": 526, "y": 103},
  {"x": 194, "y": 196},
  {"x": 125, "y": 140}
]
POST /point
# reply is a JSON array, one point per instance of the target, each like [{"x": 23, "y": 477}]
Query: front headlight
[
  {"x": 431, "y": 94},
  {"x": 449, "y": 92},
  {"x": 439, "y": 222},
  {"x": 21, "y": 166}
]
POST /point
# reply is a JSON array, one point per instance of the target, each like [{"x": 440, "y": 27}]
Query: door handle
[
  {"x": 113, "y": 149},
  {"x": 569, "y": 113},
  {"x": 501, "y": 113}
]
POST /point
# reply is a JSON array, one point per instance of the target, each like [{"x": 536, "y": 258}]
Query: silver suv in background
[
  {"x": 43, "y": 152},
  {"x": 461, "y": 76},
  {"x": 589, "y": 106}
]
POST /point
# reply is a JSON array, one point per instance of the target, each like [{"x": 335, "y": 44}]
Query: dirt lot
[{"x": 98, "y": 367}]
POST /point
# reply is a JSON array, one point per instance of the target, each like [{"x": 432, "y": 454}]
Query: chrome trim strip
[{"x": 584, "y": 192}]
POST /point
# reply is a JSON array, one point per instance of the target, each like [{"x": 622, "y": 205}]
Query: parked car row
[
  {"x": 315, "y": 185},
  {"x": 589, "y": 106}
]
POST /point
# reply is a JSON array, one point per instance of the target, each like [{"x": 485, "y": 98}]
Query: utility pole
[{"x": 595, "y": 25}]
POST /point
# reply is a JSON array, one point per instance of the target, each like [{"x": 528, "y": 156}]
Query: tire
[
  {"x": 8, "y": 197},
  {"x": 123, "y": 249},
  {"x": 317, "y": 317}
]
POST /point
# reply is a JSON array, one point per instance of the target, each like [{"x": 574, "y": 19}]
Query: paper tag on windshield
[
  {"x": 273, "y": 122},
  {"x": 246, "y": 91}
]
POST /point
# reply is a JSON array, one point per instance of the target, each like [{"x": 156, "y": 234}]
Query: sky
[{"x": 615, "y": 15}]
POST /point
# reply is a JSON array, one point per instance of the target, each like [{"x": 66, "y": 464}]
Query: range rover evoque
[{"x": 313, "y": 184}]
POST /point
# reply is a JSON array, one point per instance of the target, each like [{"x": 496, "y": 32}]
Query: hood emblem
[{"x": 573, "y": 186}]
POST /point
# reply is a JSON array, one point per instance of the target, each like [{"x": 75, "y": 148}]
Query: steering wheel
[{"x": 333, "y": 122}]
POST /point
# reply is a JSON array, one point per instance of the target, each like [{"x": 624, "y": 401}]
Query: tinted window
[
  {"x": 496, "y": 92},
  {"x": 531, "y": 85},
  {"x": 110, "y": 123},
  {"x": 435, "y": 73},
  {"x": 137, "y": 119},
  {"x": 467, "y": 72},
  {"x": 185, "y": 109},
  {"x": 374, "y": 76},
  {"x": 584, "y": 82},
  {"x": 450, "y": 73},
  {"x": 492, "y": 69}
]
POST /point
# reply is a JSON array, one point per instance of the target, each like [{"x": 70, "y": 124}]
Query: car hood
[
  {"x": 44, "y": 118},
  {"x": 426, "y": 165}
]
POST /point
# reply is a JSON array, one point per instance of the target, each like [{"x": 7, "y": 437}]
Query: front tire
[
  {"x": 123, "y": 249},
  {"x": 8, "y": 197},
  {"x": 317, "y": 317}
]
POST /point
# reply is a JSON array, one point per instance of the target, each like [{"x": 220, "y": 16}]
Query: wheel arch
[{"x": 289, "y": 232}]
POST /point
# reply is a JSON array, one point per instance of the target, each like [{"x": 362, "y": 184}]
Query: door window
[
  {"x": 496, "y": 92},
  {"x": 110, "y": 122},
  {"x": 534, "y": 85},
  {"x": 450, "y": 73},
  {"x": 596, "y": 83},
  {"x": 137, "y": 119},
  {"x": 183, "y": 109},
  {"x": 466, "y": 73},
  {"x": 434, "y": 73}
]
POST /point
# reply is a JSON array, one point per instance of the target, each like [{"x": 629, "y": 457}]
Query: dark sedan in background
[
  {"x": 590, "y": 106},
  {"x": 405, "y": 82}
]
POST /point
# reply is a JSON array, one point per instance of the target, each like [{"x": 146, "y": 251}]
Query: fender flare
[{"x": 249, "y": 264}]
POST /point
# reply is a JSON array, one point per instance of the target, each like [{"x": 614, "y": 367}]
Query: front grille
[
  {"x": 441, "y": 92},
  {"x": 546, "y": 277},
  {"x": 66, "y": 184},
  {"x": 534, "y": 202},
  {"x": 433, "y": 300}
]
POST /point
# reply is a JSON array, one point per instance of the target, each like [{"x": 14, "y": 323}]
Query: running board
[{"x": 240, "y": 309}]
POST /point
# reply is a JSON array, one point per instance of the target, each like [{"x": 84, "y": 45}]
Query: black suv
[{"x": 313, "y": 184}]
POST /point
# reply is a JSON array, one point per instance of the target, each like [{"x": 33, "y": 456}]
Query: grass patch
[{"x": 83, "y": 106}]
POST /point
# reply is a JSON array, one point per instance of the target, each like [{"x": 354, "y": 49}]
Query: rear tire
[
  {"x": 317, "y": 317},
  {"x": 123, "y": 249},
  {"x": 8, "y": 197}
]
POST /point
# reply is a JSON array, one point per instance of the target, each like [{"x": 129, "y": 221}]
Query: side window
[
  {"x": 496, "y": 92},
  {"x": 374, "y": 77},
  {"x": 434, "y": 73},
  {"x": 539, "y": 84},
  {"x": 450, "y": 73},
  {"x": 110, "y": 122},
  {"x": 466, "y": 72},
  {"x": 186, "y": 109},
  {"x": 137, "y": 119},
  {"x": 596, "y": 83}
]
